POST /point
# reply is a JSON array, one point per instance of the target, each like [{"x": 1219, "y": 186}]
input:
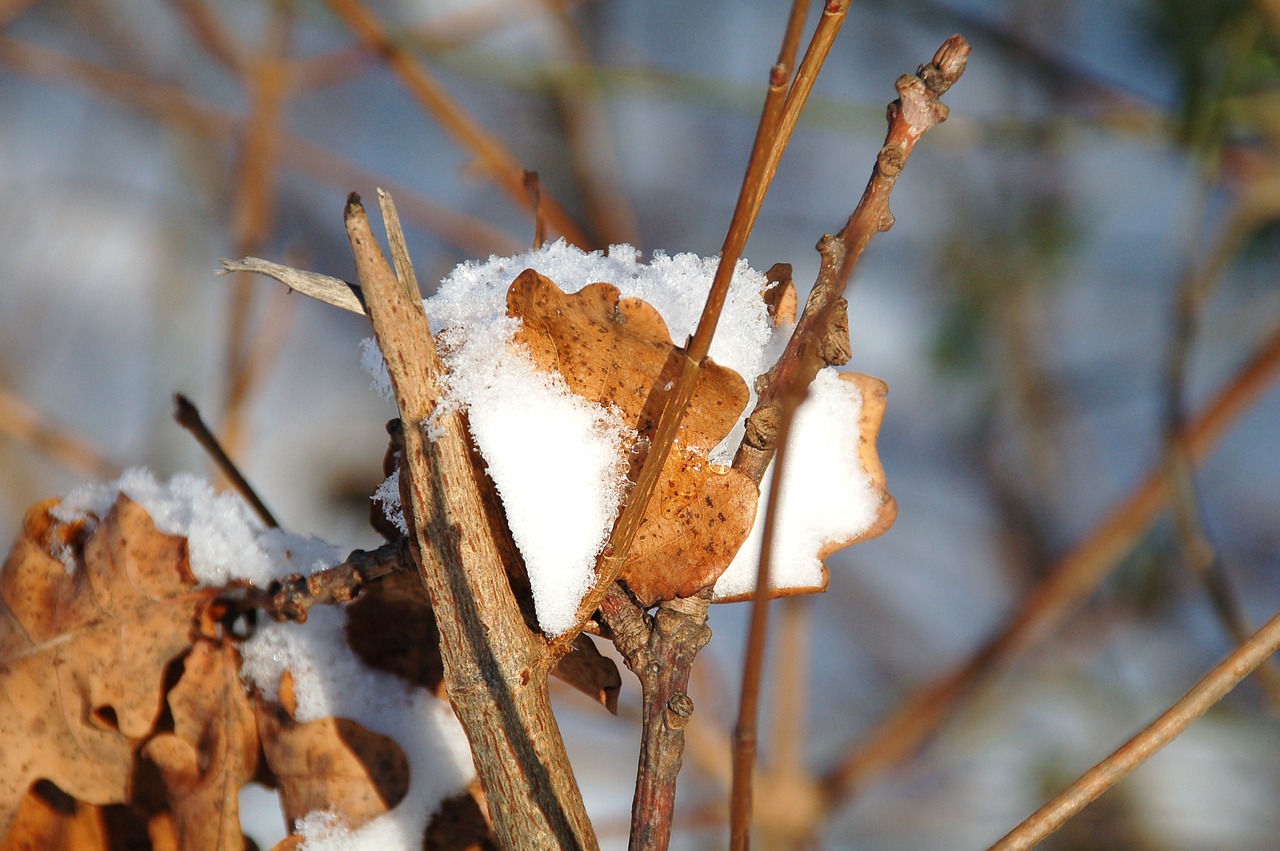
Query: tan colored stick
[
  {"x": 495, "y": 668},
  {"x": 1097, "y": 780}
]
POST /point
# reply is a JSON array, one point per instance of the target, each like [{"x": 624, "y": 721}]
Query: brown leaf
[
  {"x": 462, "y": 824},
  {"x": 617, "y": 351},
  {"x": 591, "y": 673},
  {"x": 330, "y": 764},
  {"x": 212, "y": 751},
  {"x": 83, "y": 652},
  {"x": 49, "y": 820},
  {"x": 698, "y": 518},
  {"x": 874, "y": 395}
]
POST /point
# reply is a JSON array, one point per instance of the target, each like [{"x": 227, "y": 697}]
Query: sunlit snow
[{"x": 556, "y": 459}]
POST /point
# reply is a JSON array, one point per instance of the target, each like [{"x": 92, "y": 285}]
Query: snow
[
  {"x": 558, "y": 460},
  {"x": 826, "y": 497},
  {"x": 225, "y": 542}
]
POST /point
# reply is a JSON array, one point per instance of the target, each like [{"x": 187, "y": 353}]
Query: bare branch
[{"x": 1097, "y": 780}]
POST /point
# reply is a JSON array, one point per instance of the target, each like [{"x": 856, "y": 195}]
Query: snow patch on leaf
[{"x": 828, "y": 498}]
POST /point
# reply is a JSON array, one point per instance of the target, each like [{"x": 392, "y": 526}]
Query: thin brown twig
[
  {"x": 754, "y": 184},
  {"x": 25, "y": 424},
  {"x": 819, "y": 339},
  {"x": 1092, "y": 784},
  {"x": 187, "y": 415},
  {"x": 745, "y": 736},
  {"x": 1072, "y": 579},
  {"x": 498, "y": 163},
  {"x": 175, "y": 107}
]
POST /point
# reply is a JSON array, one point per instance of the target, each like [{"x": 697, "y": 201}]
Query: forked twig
[
  {"x": 754, "y": 187},
  {"x": 1195, "y": 703},
  {"x": 1072, "y": 579},
  {"x": 818, "y": 340}
]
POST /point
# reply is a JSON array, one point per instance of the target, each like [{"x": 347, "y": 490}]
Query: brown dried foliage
[{"x": 123, "y": 718}]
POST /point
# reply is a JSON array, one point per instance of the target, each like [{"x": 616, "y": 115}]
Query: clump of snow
[
  {"x": 826, "y": 498},
  {"x": 220, "y": 529},
  {"x": 557, "y": 460},
  {"x": 225, "y": 542}
]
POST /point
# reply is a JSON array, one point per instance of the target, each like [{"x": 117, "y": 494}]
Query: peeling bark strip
[{"x": 495, "y": 667}]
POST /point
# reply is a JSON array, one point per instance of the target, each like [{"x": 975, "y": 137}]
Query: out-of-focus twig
[
  {"x": 591, "y": 153},
  {"x": 204, "y": 24},
  {"x": 1171, "y": 724},
  {"x": 1073, "y": 578},
  {"x": 175, "y": 107},
  {"x": 266, "y": 78},
  {"x": 494, "y": 158},
  {"x": 1199, "y": 553},
  {"x": 27, "y": 425},
  {"x": 188, "y": 416}
]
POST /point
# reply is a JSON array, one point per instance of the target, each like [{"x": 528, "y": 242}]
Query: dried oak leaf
[
  {"x": 212, "y": 750},
  {"x": 84, "y": 650},
  {"x": 329, "y": 764},
  {"x": 617, "y": 351},
  {"x": 874, "y": 393}
]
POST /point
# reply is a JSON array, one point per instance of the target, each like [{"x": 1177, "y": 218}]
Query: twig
[
  {"x": 332, "y": 291},
  {"x": 591, "y": 152},
  {"x": 1199, "y": 553},
  {"x": 754, "y": 186},
  {"x": 493, "y": 156},
  {"x": 821, "y": 338},
  {"x": 207, "y": 29},
  {"x": 677, "y": 632},
  {"x": 495, "y": 667},
  {"x": 175, "y": 107},
  {"x": 291, "y": 598},
  {"x": 534, "y": 187},
  {"x": 1072, "y": 579},
  {"x": 188, "y": 416},
  {"x": 267, "y": 81},
  {"x": 1097, "y": 780},
  {"x": 27, "y": 425}
]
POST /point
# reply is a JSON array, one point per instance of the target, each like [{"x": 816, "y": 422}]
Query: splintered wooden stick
[{"x": 495, "y": 667}]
